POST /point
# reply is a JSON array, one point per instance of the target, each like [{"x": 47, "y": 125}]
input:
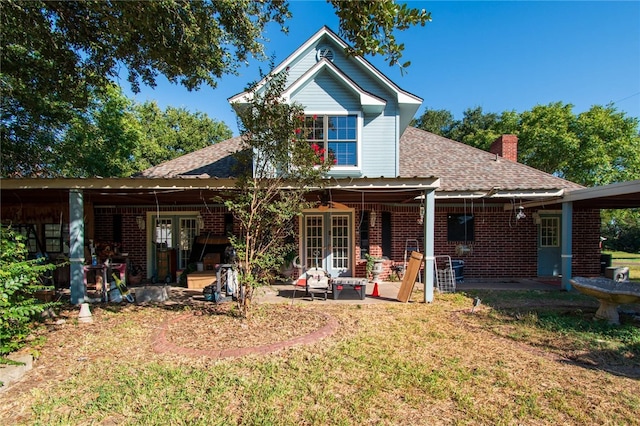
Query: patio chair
[{"x": 313, "y": 280}]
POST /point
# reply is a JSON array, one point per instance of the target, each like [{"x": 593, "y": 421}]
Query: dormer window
[
  {"x": 336, "y": 133},
  {"x": 324, "y": 52}
]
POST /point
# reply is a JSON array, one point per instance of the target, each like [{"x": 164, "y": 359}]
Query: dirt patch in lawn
[
  {"x": 219, "y": 332},
  {"x": 128, "y": 331}
]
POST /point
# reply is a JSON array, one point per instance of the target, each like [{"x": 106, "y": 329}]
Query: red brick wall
[
  {"x": 134, "y": 240},
  {"x": 503, "y": 246},
  {"x": 506, "y": 146},
  {"x": 586, "y": 236}
]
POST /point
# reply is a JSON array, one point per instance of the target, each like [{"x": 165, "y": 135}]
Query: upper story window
[{"x": 337, "y": 134}]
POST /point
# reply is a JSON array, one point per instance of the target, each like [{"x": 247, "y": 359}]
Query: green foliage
[
  {"x": 277, "y": 166},
  {"x": 116, "y": 137},
  {"x": 597, "y": 147},
  {"x": 174, "y": 132},
  {"x": 476, "y": 128},
  {"x": 545, "y": 138},
  {"x": 371, "y": 260},
  {"x": 56, "y": 55},
  {"x": 369, "y": 26},
  {"x": 609, "y": 147},
  {"x": 438, "y": 121},
  {"x": 102, "y": 138},
  {"x": 87, "y": 42},
  {"x": 621, "y": 228},
  {"x": 19, "y": 280}
]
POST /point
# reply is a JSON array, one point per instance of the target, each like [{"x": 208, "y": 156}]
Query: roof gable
[
  {"x": 370, "y": 103},
  {"x": 408, "y": 103}
]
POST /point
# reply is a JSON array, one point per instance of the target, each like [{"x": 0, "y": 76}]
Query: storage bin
[{"x": 458, "y": 269}]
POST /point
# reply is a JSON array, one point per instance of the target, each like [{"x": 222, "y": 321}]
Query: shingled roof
[
  {"x": 460, "y": 167},
  {"x": 216, "y": 160}
]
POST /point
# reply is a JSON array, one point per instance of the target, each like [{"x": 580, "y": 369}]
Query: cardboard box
[{"x": 199, "y": 280}]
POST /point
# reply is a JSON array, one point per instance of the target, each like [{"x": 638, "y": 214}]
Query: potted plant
[
  {"x": 291, "y": 269},
  {"x": 373, "y": 267}
]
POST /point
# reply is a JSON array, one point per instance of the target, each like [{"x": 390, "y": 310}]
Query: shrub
[{"x": 19, "y": 280}]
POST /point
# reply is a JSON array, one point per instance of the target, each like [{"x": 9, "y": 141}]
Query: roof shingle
[
  {"x": 216, "y": 160},
  {"x": 460, "y": 167}
]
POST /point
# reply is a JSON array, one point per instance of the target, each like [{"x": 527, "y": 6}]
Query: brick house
[{"x": 394, "y": 187}]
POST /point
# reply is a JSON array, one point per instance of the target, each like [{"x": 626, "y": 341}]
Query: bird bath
[{"x": 610, "y": 293}]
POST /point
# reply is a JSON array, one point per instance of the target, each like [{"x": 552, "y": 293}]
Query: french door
[
  {"x": 327, "y": 242},
  {"x": 174, "y": 232}
]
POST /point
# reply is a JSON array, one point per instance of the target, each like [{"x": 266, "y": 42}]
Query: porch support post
[
  {"x": 429, "y": 222},
  {"x": 76, "y": 247},
  {"x": 567, "y": 250}
]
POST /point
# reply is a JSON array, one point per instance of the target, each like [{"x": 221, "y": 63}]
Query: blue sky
[{"x": 505, "y": 55}]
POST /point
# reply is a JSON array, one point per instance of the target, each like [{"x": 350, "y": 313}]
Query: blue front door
[{"x": 549, "y": 245}]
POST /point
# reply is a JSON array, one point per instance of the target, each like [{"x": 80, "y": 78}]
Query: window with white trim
[
  {"x": 549, "y": 232},
  {"x": 334, "y": 137}
]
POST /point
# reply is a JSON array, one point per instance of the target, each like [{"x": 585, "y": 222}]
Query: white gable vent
[{"x": 324, "y": 52}]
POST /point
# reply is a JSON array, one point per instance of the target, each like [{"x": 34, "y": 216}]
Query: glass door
[
  {"x": 328, "y": 242},
  {"x": 314, "y": 241},
  {"x": 549, "y": 251},
  {"x": 340, "y": 256},
  {"x": 188, "y": 231},
  {"x": 176, "y": 234}
]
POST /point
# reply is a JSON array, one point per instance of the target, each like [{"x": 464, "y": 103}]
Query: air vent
[{"x": 325, "y": 52}]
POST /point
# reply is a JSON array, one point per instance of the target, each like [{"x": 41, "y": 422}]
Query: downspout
[
  {"x": 76, "y": 245},
  {"x": 567, "y": 255},
  {"x": 397, "y": 153},
  {"x": 429, "y": 249}
]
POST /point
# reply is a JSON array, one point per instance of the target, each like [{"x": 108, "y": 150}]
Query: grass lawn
[{"x": 520, "y": 358}]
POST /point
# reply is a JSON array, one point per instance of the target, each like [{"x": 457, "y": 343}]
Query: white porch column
[
  {"x": 429, "y": 230},
  {"x": 567, "y": 249},
  {"x": 76, "y": 247}
]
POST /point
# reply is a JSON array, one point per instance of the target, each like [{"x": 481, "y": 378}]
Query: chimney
[{"x": 506, "y": 146}]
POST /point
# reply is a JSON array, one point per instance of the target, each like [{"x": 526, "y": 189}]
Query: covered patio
[{"x": 79, "y": 199}]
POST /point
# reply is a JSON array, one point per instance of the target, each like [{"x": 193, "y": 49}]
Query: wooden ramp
[{"x": 410, "y": 275}]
